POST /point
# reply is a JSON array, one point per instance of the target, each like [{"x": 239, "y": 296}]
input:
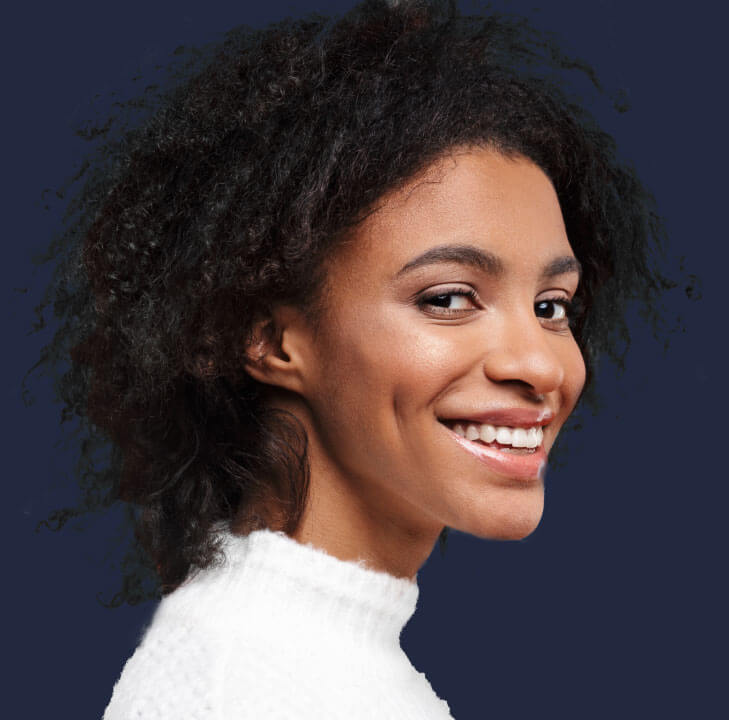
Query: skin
[{"x": 371, "y": 382}]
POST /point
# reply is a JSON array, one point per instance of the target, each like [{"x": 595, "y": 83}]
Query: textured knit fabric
[{"x": 280, "y": 630}]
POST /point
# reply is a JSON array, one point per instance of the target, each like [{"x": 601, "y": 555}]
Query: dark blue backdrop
[{"x": 615, "y": 606}]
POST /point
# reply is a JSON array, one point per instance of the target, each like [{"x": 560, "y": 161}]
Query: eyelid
[{"x": 446, "y": 288}]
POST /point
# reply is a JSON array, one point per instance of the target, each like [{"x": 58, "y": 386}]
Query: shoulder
[
  {"x": 170, "y": 675},
  {"x": 188, "y": 669},
  {"x": 178, "y": 670}
]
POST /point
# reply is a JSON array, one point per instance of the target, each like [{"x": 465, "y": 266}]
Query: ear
[{"x": 279, "y": 351}]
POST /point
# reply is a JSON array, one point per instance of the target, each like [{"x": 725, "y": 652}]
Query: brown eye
[
  {"x": 448, "y": 301},
  {"x": 452, "y": 301},
  {"x": 555, "y": 309}
]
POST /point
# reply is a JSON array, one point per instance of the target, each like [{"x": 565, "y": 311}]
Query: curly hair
[{"x": 228, "y": 199}]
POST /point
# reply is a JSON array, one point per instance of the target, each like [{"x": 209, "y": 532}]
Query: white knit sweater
[{"x": 280, "y": 630}]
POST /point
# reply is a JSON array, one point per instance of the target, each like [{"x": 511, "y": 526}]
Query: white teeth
[
  {"x": 519, "y": 438},
  {"x": 516, "y": 437},
  {"x": 488, "y": 433},
  {"x": 472, "y": 433},
  {"x": 503, "y": 435}
]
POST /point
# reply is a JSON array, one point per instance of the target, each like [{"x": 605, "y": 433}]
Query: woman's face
[{"x": 445, "y": 309}]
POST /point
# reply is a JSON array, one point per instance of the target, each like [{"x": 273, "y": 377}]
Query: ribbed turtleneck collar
[{"x": 278, "y": 584}]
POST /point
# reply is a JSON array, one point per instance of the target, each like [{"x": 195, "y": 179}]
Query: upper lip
[{"x": 511, "y": 417}]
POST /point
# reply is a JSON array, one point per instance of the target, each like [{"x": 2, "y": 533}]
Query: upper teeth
[{"x": 516, "y": 437}]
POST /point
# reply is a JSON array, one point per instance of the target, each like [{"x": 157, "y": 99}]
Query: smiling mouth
[
  {"x": 514, "y": 441},
  {"x": 503, "y": 455}
]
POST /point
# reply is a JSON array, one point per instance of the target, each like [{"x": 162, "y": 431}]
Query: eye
[
  {"x": 557, "y": 310},
  {"x": 448, "y": 301}
]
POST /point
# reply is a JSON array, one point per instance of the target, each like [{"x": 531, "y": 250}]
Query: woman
[{"x": 339, "y": 295}]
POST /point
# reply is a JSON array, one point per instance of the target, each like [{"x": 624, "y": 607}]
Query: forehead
[{"x": 475, "y": 196}]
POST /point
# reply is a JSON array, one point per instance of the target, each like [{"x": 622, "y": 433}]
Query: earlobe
[{"x": 272, "y": 354}]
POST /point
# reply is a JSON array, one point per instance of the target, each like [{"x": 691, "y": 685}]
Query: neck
[
  {"x": 343, "y": 518},
  {"x": 353, "y": 525}
]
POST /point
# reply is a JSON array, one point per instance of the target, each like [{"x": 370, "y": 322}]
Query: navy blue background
[{"x": 615, "y": 606}]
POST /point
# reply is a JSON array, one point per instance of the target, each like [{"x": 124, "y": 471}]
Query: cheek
[
  {"x": 575, "y": 373},
  {"x": 379, "y": 369},
  {"x": 412, "y": 361}
]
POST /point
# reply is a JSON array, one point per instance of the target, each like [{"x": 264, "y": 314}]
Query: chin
[
  {"x": 522, "y": 529},
  {"x": 514, "y": 522}
]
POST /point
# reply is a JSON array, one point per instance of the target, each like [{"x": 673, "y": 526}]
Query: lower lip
[{"x": 511, "y": 465}]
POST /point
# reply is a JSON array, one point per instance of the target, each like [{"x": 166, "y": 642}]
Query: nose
[{"x": 524, "y": 352}]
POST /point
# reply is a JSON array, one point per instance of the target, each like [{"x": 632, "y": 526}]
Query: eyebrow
[{"x": 485, "y": 261}]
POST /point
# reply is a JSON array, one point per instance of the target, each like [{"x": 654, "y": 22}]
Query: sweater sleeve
[{"x": 171, "y": 676}]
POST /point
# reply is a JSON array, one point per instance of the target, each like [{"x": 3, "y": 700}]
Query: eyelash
[
  {"x": 571, "y": 307},
  {"x": 458, "y": 292}
]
